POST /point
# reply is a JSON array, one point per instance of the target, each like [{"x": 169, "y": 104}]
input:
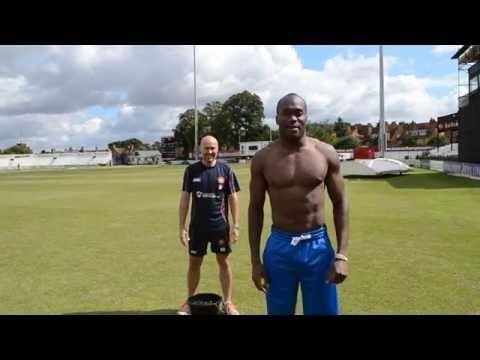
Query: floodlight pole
[
  {"x": 195, "y": 147},
  {"x": 382, "y": 136}
]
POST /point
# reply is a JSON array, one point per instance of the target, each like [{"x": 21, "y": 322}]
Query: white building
[{"x": 249, "y": 148}]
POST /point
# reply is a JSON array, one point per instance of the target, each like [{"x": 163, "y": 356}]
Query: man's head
[
  {"x": 291, "y": 116},
  {"x": 209, "y": 149}
]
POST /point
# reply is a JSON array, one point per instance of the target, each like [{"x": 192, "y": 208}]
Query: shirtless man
[{"x": 295, "y": 171}]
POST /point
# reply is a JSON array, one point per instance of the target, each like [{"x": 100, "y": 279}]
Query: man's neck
[
  {"x": 206, "y": 164},
  {"x": 293, "y": 143}
]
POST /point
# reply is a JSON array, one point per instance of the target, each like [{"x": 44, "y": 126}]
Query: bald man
[{"x": 213, "y": 186}]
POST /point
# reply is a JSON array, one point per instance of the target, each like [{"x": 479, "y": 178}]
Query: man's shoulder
[
  {"x": 264, "y": 152},
  {"x": 224, "y": 165},
  {"x": 321, "y": 146},
  {"x": 327, "y": 151},
  {"x": 194, "y": 167}
]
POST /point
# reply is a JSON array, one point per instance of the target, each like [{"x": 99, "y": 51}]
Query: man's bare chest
[{"x": 298, "y": 169}]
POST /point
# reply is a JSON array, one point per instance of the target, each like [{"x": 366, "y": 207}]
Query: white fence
[
  {"x": 16, "y": 161},
  {"x": 449, "y": 167}
]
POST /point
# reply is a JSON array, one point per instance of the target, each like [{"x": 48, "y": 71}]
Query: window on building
[
  {"x": 474, "y": 83},
  {"x": 253, "y": 147}
]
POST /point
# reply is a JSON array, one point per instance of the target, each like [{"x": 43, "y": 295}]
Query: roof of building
[
  {"x": 460, "y": 51},
  {"x": 468, "y": 54}
]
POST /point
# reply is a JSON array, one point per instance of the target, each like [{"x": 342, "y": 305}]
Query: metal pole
[
  {"x": 382, "y": 134},
  {"x": 195, "y": 147}
]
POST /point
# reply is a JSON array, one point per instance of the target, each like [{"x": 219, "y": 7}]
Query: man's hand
[
  {"x": 184, "y": 238},
  {"x": 338, "y": 272},
  {"x": 259, "y": 278},
  {"x": 234, "y": 234}
]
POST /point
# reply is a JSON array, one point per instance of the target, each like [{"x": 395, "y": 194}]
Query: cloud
[
  {"x": 89, "y": 127},
  {"x": 445, "y": 49},
  {"x": 47, "y": 93},
  {"x": 42, "y": 131},
  {"x": 13, "y": 91}
]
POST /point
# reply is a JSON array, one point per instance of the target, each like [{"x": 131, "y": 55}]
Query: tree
[
  {"x": 130, "y": 144},
  {"x": 18, "y": 149},
  {"x": 371, "y": 141},
  {"x": 224, "y": 121},
  {"x": 408, "y": 140},
  {"x": 275, "y": 135},
  {"x": 265, "y": 134},
  {"x": 212, "y": 110},
  {"x": 185, "y": 130},
  {"x": 321, "y": 131},
  {"x": 341, "y": 128},
  {"x": 243, "y": 110},
  {"x": 346, "y": 142},
  {"x": 440, "y": 141},
  {"x": 121, "y": 149}
]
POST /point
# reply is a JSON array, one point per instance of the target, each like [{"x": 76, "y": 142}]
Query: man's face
[
  {"x": 291, "y": 118},
  {"x": 209, "y": 150}
]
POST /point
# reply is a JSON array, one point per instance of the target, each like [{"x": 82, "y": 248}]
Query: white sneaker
[
  {"x": 184, "y": 310},
  {"x": 230, "y": 308}
]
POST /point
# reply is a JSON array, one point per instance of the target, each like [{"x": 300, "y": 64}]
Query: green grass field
[{"x": 104, "y": 241}]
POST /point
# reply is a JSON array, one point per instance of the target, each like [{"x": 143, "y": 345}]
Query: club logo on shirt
[{"x": 221, "y": 182}]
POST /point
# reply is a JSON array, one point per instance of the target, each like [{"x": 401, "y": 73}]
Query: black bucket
[{"x": 206, "y": 304}]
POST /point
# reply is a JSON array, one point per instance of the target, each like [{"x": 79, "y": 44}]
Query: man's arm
[
  {"x": 258, "y": 187},
  {"x": 336, "y": 191},
  {"x": 182, "y": 217}
]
